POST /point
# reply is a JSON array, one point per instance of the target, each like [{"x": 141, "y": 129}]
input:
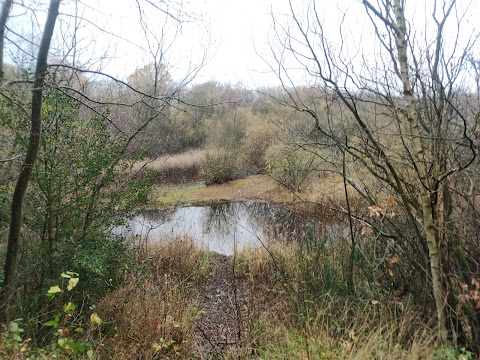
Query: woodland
[{"x": 380, "y": 154}]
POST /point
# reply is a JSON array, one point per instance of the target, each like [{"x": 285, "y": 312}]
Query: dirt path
[{"x": 223, "y": 298}]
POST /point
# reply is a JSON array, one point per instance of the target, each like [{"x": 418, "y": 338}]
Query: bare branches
[
  {"x": 403, "y": 106},
  {"x": 13, "y": 158},
  {"x": 386, "y": 17}
]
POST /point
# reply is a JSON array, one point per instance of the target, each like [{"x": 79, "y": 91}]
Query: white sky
[
  {"x": 239, "y": 30},
  {"x": 234, "y": 30},
  {"x": 230, "y": 28}
]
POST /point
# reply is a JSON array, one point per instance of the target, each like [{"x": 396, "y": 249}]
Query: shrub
[
  {"x": 290, "y": 166},
  {"x": 63, "y": 329},
  {"x": 219, "y": 166},
  {"x": 253, "y": 148},
  {"x": 79, "y": 191}
]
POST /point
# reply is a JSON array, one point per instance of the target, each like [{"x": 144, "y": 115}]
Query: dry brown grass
[
  {"x": 147, "y": 319},
  {"x": 335, "y": 327},
  {"x": 152, "y": 316},
  {"x": 322, "y": 340},
  {"x": 183, "y": 160}
]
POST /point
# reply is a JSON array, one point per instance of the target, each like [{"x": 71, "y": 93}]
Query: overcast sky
[
  {"x": 237, "y": 32},
  {"x": 229, "y": 30},
  {"x": 234, "y": 33}
]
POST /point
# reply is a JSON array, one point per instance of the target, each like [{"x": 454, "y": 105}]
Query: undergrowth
[
  {"x": 300, "y": 307},
  {"x": 150, "y": 316},
  {"x": 311, "y": 313}
]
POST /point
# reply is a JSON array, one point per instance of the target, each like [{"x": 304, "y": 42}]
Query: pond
[{"x": 222, "y": 228}]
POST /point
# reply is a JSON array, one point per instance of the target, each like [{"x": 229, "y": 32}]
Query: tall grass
[
  {"x": 311, "y": 313},
  {"x": 172, "y": 169},
  {"x": 300, "y": 306},
  {"x": 154, "y": 314},
  {"x": 182, "y": 160},
  {"x": 151, "y": 316}
]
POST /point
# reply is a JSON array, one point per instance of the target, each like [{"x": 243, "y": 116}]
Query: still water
[{"x": 220, "y": 228}]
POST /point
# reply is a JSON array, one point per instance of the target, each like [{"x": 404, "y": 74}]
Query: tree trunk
[
  {"x": 6, "y": 6},
  {"x": 419, "y": 157},
  {"x": 11, "y": 264}
]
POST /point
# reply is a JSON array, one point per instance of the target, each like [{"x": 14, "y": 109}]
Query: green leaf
[
  {"x": 51, "y": 323},
  {"x": 68, "y": 308},
  {"x": 65, "y": 276},
  {"x": 90, "y": 354},
  {"x": 79, "y": 330},
  {"x": 14, "y": 327}
]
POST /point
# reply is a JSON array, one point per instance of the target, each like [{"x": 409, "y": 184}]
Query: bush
[
  {"x": 219, "y": 166},
  {"x": 253, "y": 148},
  {"x": 79, "y": 191},
  {"x": 289, "y": 166}
]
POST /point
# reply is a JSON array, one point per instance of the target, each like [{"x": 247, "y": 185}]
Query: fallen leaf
[
  {"x": 394, "y": 259},
  {"x": 375, "y": 210},
  {"x": 348, "y": 345},
  {"x": 352, "y": 335},
  {"x": 54, "y": 290},
  {"x": 366, "y": 230},
  {"x": 95, "y": 319}
]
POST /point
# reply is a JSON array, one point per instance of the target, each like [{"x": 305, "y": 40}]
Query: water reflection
[{"x": 221, "y": 228}]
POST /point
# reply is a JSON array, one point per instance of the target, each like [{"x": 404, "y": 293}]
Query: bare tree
[{"x": 403, "y": 115}]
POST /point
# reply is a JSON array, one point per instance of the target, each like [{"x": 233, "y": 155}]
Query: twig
[{"x": 204, "y": 334}]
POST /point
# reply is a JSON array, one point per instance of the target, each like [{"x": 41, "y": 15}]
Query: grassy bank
[
  {"x": 288, "y": 302},
  {"x": 257, "y": 187},
  {"x": 296, "y": 300}
]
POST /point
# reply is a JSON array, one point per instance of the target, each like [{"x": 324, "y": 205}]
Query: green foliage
[
  {"x": 13, "y": 336},
  {"x": 289, "y": 166},
  {"x": 294, "y": 344},
  {"x": 448, "y": 353},
  {"x": 254, "y": 145},
  {"x": 5, "y": 199},
  {"x": 67, "y": 334},
  {"x": 12, "y": 129},
  {"x": 79, "y": 192},
  {"x": 219, "y": 166}
]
